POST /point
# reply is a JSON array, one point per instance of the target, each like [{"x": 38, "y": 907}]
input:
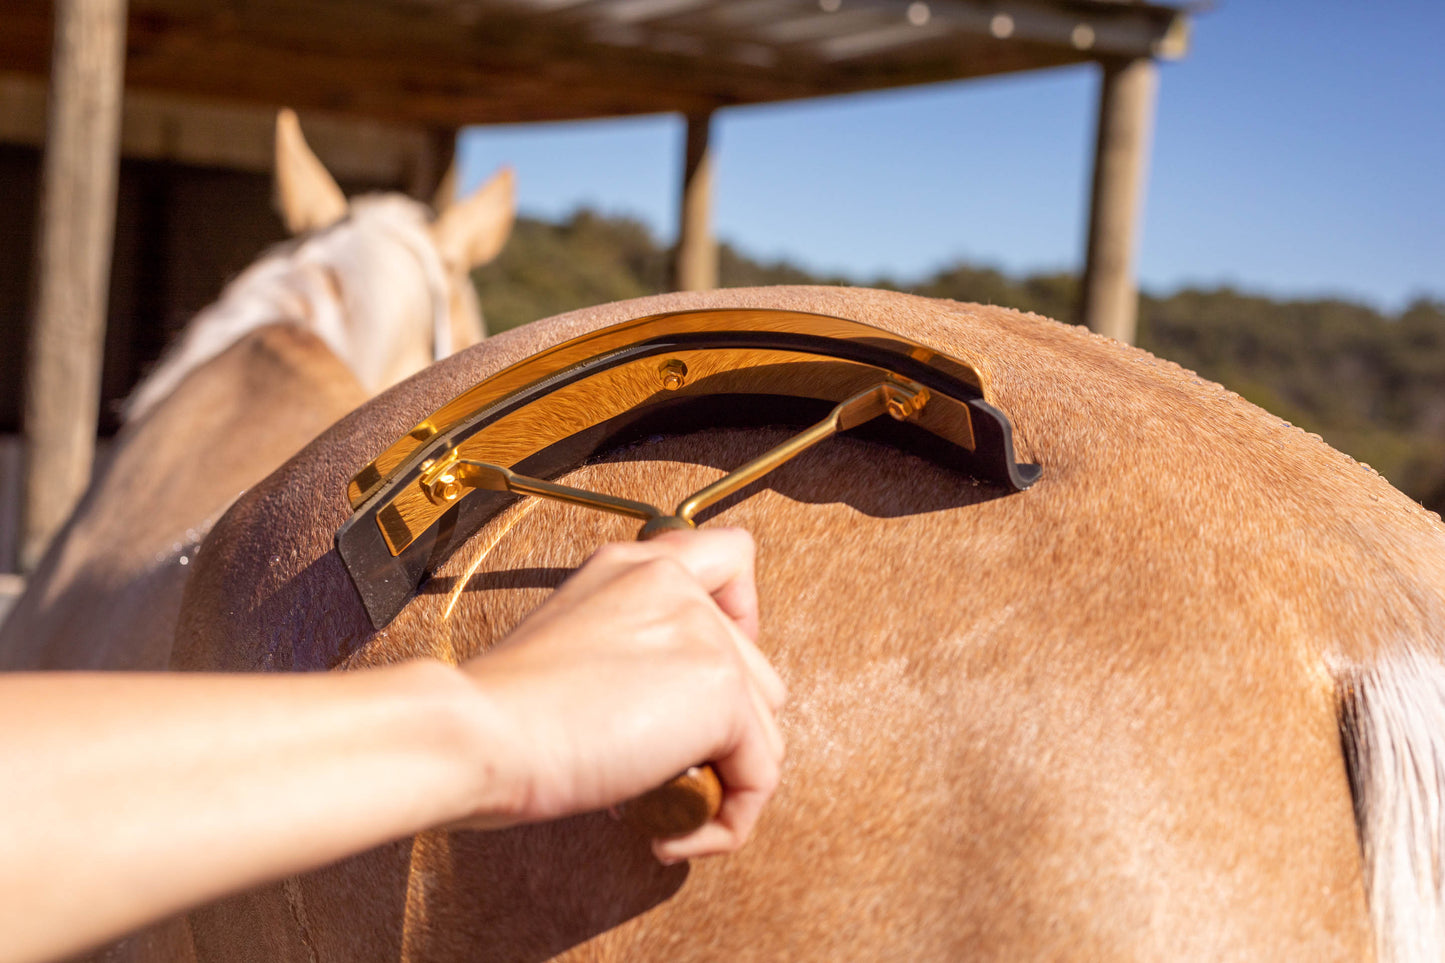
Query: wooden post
[
  {"x": 11, "y": 473},
  {"x": 695, "y": 264},
  {"x": 1110, "y": 297},
  {"x": 73, "y": 247}
]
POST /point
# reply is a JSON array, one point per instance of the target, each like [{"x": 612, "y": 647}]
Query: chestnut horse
[{"x": 1184, "y": 698}]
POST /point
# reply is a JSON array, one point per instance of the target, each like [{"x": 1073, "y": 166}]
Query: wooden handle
[
  {"x": 679, "y": 806},
  {"x": 686, "y": 802}
]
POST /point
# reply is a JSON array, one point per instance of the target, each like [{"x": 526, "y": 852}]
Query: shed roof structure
[
  {"x": 450, "y": 63},
  {"x": 384, "y": 85}
]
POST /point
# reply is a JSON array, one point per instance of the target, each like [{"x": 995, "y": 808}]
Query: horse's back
[{"x": 1096, "y": 719}]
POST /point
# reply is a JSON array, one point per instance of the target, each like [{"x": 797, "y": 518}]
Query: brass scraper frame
[
  {"x": 444, "y": 479},
  {"x": 664, "y": 373}
]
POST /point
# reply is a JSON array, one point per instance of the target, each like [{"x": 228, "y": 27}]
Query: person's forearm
[
  {"x": 126, "y": 803},
  {"x": 125, "y": 798}
]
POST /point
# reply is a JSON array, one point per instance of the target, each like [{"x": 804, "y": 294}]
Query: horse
[
  {"x": 367, "y": 293},
  {"x": 1182, "y": 698}
]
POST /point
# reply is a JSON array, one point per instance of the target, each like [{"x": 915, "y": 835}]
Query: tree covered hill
[{"x": 1371, "y": 384}]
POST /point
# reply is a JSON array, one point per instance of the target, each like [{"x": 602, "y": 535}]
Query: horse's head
[
  {"x": 389, "y": 258},
  {"x": 382, "y": 282}
]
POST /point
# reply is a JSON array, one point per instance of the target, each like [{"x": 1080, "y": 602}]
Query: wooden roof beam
[
  {"x": 239, "y": 137},
  {"x": 1101, "y": 29},
  {"x": 760, "y": 13},
  {"x": 1098, "y": 29},
  {"x": 639, "y": 11},
  {"x": 901, "y": 34},
  {"x": 817, "y": 25},
  {"x": 424, "y": 65}
]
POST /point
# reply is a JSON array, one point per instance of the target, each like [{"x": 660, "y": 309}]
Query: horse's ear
[
  {"x": 307, "y": 197},
  {"x": 472, "y": 231}
]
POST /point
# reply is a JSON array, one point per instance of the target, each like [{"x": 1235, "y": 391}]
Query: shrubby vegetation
[{"x": 1371, "y": 384}]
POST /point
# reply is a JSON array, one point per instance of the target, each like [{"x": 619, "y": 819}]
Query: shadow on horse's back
[{"x": 1099, "y": 719}]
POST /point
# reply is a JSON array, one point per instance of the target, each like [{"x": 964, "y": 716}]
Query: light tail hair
[{"x": 1392, "y": 725}]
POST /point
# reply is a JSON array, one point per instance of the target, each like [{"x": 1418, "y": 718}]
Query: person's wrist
[{"x": 458, "y": 720}]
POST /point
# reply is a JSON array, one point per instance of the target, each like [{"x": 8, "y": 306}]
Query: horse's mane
[{"x": 298, "y": 280}]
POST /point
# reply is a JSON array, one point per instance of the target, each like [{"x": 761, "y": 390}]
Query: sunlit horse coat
[{"x": 1113, "y": 717}]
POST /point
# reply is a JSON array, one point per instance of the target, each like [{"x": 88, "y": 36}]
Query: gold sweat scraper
[{"x": 669, "y": 373}]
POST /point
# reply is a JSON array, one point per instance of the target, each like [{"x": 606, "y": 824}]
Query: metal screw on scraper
[{"x": 674, "y": 374}]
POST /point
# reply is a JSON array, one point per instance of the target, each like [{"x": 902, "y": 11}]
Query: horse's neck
[
  {"x": 107, "y": 593},
  {"x": 279, "y": 289},
  {"x": 381, "y": 261}
]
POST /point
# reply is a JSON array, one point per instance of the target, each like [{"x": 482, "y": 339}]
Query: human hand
[{"x": 643, "y": 663}]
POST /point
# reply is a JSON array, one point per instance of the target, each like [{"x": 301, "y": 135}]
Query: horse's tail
[{"x": 1392, "y": 725}]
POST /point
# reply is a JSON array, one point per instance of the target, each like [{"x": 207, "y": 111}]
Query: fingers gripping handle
[
  {"x": 680, "y": 806},
  {"x": 686, "y": 802},
  {"x": 690, "y": 800}
]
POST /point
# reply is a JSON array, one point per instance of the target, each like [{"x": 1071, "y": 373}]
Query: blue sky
[{"x": 1299, "y": 150}]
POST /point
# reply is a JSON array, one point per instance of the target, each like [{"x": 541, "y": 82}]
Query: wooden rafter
[{"x": 448, "y": 64}]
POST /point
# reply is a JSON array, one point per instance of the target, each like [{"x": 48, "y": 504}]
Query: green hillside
[{"x": 1371, "y": 384}]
